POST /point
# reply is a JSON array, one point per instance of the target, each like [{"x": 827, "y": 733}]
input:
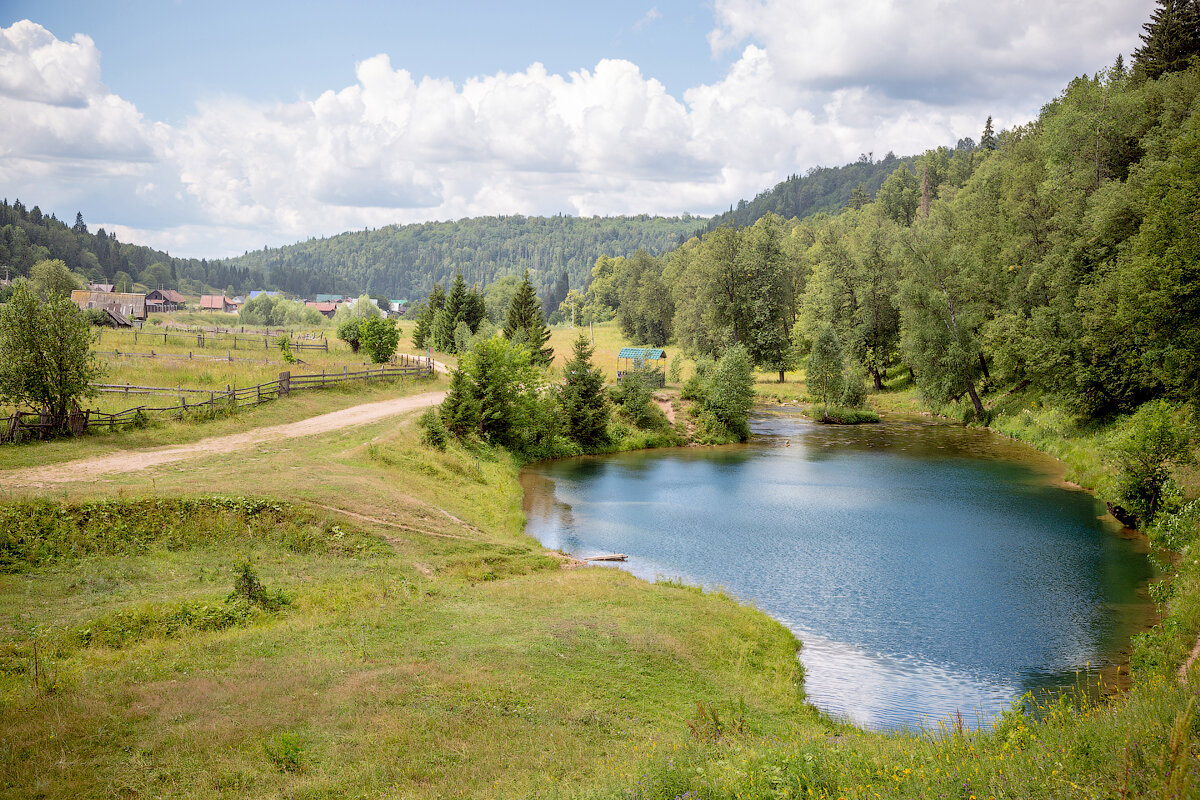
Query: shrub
[
  {"x": 379, "y": 337},
  {"x": 433, "y": 432},
  {"x": 248, "y": 588},
  {"x": 349, "y": 332},
  {"x": 633, "y": 398},
  {"x": 1143, "y": 452},
  {"x": 285, "y": 349}
]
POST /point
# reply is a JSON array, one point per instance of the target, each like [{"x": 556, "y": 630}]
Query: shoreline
[{"x": 538, "y": 501}]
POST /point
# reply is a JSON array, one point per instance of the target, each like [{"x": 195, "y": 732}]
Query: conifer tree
[
  {"x": 442, "y": 331},
  {"x": 456, "y": 300},
  {"x": 474, "y": 309},
  {"x": 460, "y": 409},
  {"x": 420, "y": 337},
  {"x": 582, "y": 397},
  {"x": 1170, "y": 38},
  {"x": 859, "y": 197},
  {"x": 525, "y": 323},
  {"x": 988, "y": 141}
]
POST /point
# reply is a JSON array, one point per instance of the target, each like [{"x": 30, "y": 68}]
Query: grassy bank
[{"x": 427, "y": 648}]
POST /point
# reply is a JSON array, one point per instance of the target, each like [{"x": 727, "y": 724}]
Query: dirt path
[
  {"x": 664, "y": 402},
  {"x": 133, "y": 460}
]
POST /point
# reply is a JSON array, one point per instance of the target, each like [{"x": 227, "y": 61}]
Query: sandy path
[{"x": 132, "y": 460}]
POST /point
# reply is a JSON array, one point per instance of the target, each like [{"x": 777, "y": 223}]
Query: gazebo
[{"x": 633, "y": 361}]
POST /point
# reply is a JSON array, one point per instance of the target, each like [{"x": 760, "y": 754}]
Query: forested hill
[
  {"x": 28, "y": 236},
  {"x": 404, "y": 261},
  {"x": 827, "y": 189}
]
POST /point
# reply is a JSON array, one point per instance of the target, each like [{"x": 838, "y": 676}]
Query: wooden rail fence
[{"x": 78, "y": 422}]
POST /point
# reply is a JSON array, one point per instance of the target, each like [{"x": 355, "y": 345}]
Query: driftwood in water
[{"x": 610, "y": 557}]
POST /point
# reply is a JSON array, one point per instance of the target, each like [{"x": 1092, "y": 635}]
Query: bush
[
  {"x": 379, "y": 337},
  {"x": 433, "y": 432},
  {"x": 731, "y": 392},
  {"x": 249, "y": 589},
  {"x": 349, "y": 332},
  {"x": 285, "y": 349},
  {"x": 696, "y": 387},
  {"x": 1143, "y": 452},
  {"x": 99, "y": 318},
  {"x": 854, "y": 393},
  {"x": 633, "y": 396}
]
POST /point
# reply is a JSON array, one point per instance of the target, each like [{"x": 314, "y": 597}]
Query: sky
[{"x": 210, "y": 128}]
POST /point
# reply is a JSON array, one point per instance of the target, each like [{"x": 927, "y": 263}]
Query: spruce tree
[
  {"x": 421, "y": 334},
  {"x": 456, "y": 300},
  {"x": 859, "y": 197},
  {"x": 526, "y": 324},
  {"x": 460, "y": 409},
  {"x": 442, "y": 331},
  {"x": 582, "y": 397},
  {"x": 988, "y": 141},
  {"x": 1171, "y": 38},
  {"x": 474, "y": 310}
]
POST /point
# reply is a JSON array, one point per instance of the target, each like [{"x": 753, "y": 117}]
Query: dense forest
[
  {"x": 819, "y": 190},
  {"x": 28, "y": 236},
  {"x": 403, "y": 262},
  {"x": 1061, "y": 256}
]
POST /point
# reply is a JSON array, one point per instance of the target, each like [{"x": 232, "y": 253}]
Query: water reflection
[{"x": 927, "y": 568}]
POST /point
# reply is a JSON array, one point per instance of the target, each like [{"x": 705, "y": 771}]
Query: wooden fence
[
  {"x": 231, "y": 342},
  {"x": 190, "y": 356},
  {"x": 205, "y": 400}
]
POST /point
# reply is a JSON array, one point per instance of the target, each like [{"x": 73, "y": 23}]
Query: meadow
[{"x": 418, "y": 644}]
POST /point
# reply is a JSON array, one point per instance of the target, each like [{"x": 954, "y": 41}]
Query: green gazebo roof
[{"x": 642, "y": 353}]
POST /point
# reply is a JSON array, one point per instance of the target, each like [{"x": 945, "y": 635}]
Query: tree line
[
  {"x": 1059, "y": 256},
  {"x": 29, "y": 237}
]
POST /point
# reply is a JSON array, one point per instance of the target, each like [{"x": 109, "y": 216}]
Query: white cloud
[
  {"x": 647, "y": 19},
  {"x": 813, "y": 84},
  {"x": 934, "y": 51}
]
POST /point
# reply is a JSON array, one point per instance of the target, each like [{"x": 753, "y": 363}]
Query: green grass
[
  {"x": 295, "y": 407},
  {"x": 397, "y": 668},
  {"x": 430, "y": 649}
]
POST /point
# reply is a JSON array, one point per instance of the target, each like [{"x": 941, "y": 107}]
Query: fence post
[{"x": 285, "y": 383}]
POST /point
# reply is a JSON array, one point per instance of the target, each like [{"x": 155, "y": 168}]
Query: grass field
[
  {"x": 428, "y": 648},
  {"x": 443, "y": 654}
]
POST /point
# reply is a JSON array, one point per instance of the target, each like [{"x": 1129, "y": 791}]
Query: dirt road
[{"x": 132, "y": 460}]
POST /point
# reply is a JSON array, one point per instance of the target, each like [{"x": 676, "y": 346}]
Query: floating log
[{"x": 609, "y": 557}]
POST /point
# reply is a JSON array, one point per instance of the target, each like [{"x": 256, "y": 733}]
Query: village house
[
  {"x": 123, "y": 305},
  {"x": 327, "y": 309},
  {"x": 217, "y": 302},
  {"x": 164, "y": 300}
]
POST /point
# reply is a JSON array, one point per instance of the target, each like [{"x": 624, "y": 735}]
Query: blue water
[{"x": 928, "y": 569}]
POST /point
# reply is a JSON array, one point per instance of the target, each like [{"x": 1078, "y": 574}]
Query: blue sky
[
  {"x": 208, "y": 128},
  {"x": 165, "y": 55}
]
